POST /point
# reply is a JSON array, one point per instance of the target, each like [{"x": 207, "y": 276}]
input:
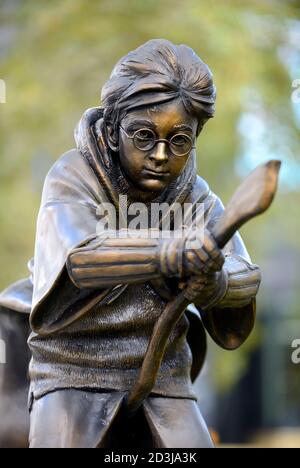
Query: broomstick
[{"x": 253, "y": 197}]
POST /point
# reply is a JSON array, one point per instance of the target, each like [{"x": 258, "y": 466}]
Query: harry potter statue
[{"x": 100, "y": 283}]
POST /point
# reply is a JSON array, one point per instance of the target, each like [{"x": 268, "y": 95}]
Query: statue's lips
[{"x": 156, "y": 173}]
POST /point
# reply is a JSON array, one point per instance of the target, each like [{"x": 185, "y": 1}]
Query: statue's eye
[
  {"x": 180, "y": 140},
  {"x": 181, "y": 144},
  {"x": 145, "y": 134},
  {"x": 144, "y": 139}
]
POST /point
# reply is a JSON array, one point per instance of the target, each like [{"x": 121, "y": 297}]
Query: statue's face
[{"x": 152, "y": 170}]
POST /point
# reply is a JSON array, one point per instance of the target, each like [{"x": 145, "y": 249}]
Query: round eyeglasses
[{"x": 145, "y": 139}]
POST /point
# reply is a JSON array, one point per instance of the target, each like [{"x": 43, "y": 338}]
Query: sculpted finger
[
  {"x": 220, "y": 259},
  {"x": 216, "y": 255},
  {"x": 202, "y": 255},
  {"x": 209, "y": 243},
  {"x": 194, "y": 262},
  {"x": 209, "y": 266},
  {"x": 217, "y": 263}
]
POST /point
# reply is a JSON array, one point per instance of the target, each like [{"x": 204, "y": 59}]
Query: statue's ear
[{"x": 112, "y": 137}]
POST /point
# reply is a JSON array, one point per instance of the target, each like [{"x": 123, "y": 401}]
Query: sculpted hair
[{"x": 157, "y": 72}]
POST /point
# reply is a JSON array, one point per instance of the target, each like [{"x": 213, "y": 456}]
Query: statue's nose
[{"x": 160, "y": 152}]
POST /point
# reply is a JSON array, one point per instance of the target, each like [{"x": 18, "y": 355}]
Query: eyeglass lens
[{"x": 145, "y": 139}]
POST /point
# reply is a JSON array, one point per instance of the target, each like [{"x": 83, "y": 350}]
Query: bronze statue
[{"x": 114, "y": 345}]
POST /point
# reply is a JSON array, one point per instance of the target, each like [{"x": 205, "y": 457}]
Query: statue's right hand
[
  {"x": 191, "y": 255},
  {"x": 201, "y": 255}
]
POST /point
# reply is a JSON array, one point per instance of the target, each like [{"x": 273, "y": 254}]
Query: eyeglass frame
[{"x": 159, "y": 140}]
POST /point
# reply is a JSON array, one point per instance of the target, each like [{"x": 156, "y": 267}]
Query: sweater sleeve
[
  {"x": 229, "y": 318},
  {"x": 111, "y": 260}
]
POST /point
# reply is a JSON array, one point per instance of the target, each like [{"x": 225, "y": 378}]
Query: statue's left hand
[
  {"x": 203, "y": 289},
  {"x": 202, "y": 256}
]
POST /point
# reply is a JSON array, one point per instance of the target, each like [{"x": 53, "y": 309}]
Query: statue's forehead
[
  {"x": 164, "y": 115},
  {"x": 154, "y": 109}
]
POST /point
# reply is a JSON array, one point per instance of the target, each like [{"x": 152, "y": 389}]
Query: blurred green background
[{"x": 55, "y": 56}]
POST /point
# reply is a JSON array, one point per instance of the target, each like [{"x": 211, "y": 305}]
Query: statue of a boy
[{"x": 98, "y": 294}]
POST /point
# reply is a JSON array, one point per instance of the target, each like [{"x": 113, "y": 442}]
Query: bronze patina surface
[{"x": 100, "y": 283}]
